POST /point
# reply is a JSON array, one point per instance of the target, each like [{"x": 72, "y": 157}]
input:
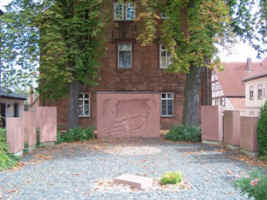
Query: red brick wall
[{"x": 145, "y": 75}]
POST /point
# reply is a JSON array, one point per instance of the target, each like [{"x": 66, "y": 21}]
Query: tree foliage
[
  {"x": 66, "y": 32},
  {"x": 193, "y": 29},
  {"x": 262, "y": 131}
]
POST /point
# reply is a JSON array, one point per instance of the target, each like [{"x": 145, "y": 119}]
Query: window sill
[
  {"x": 125, "y": 68},
  {"x": 167, "y": 116},
  {"x": 85, "y": 116}
]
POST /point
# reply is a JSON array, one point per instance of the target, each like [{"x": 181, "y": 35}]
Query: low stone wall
[
  {"x": 24, "y": 130},
  {"x": 237, "y": 132}
]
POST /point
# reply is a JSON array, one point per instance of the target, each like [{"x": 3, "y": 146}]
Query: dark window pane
[
  {"x": 125, "y": 59},
  {"x": 164, "y": 107},
  {"x": 170, "y": 107}
]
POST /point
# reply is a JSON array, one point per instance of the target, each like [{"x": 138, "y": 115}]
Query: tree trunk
[
  {"x": 73, "y": 115},
  {"x": 191, "y": 115}
]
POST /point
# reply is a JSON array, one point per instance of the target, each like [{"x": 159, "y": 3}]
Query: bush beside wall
[
  {"x": 184, "y": 133},
  {"x": 77, "y": 134},
  {"x": 262, "y": 132},
  {"x": 6, "y": 160}
]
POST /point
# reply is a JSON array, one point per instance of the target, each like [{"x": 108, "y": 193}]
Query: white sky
[{"x": 239, "y": 52}]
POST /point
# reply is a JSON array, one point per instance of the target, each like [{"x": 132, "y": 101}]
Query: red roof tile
[{"x": 231, "y": 78}]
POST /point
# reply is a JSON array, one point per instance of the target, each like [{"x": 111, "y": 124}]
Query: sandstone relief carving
[{"x": 126, "y": 117}]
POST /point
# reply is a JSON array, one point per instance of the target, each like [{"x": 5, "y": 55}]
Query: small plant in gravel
[
  {"x": 171, "y": 178},
  {"x": 184, "y": 133},
  {"x": 262, "y": 132},
  {"x": 254, "y": 186},
  {"x": 6, "y": 160},
  {"x": 78, "y": 134}
]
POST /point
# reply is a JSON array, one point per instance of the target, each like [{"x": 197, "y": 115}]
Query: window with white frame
[
  {"x": 260, "y": 92},
  {"x": 163, "y": 15},
  {"x": 84, "y": 105},
  {"x": 125, "y": 55},
  {"x": 165, "y": 57},
  {"x": 251, "y": 93},
  {"x": 167, "y": 104},
  {"x": 124, "y": 11},
  {"x": 222, "y": 101}
]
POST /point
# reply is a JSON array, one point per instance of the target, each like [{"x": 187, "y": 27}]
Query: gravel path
[{"x": 78, "y": 171}]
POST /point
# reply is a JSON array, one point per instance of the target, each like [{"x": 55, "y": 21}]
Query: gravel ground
[{"x": 77, "y": 171}]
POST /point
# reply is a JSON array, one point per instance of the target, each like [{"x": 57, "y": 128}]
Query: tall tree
[
  {"x": 67, "y": 33},
  {"x": 192, "y": 30}
]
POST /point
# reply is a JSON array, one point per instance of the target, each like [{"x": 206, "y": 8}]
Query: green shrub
[
  {"x": 6, "y": 160},
  {"x": 171, "y": 178},
  {"x": 262, "y": 131},
  {"x": 26, "y": 147},
  {"x": 77, "y": 134},
  {"x": 59, "y": 137},
  {"x": 254, "y": 186},
  {"x": 184, "y": 133}
]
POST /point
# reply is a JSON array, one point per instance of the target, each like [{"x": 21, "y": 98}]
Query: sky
[{"x": 238, "y": 52}]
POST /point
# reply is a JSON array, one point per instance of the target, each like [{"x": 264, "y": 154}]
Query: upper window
[
  {"x": 251, "y": 93},
  {"x": 84, "y": 105},
  {"x": 125, "y": 55},
  {"x": 165, "y": 57},
  {"x": 260, "y": 92},
  {"x": 124, "y": 11},
  {"x": 167, "y": 104}
]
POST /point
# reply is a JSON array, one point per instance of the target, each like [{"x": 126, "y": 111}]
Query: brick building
[{"x": 129, "y": 68}]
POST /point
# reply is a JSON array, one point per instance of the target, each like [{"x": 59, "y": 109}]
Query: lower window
[
  {"x": 84, "y": 105},
  {"x": 167, "y": 104}
]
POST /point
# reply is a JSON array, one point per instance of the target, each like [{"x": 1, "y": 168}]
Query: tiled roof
[
  {"x": 8, "y": 94},
  {"x": 261, "y": 72},
  {"x": 231, "y": 78}
]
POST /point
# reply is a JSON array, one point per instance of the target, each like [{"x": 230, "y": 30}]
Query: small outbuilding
[{"x": 11, "y": 105}]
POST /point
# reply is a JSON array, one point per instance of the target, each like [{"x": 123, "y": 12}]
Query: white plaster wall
[
  {"x": 256, "y": 102},
  {"x": 10, "y": 106}
]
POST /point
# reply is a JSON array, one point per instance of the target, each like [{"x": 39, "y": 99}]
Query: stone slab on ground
[{"x": 138, "y": 182}]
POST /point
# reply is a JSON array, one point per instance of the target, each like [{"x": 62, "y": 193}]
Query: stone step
[{"x": 138, "y": 182}]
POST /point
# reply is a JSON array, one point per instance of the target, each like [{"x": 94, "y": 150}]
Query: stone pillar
[
  {"x": 15, "y": 136},
  {"x": 231, "y": 128},
  {"x": 212, "y": 124},
  {"x": 47, "y": 122},
  {"x": 30, "y": 129},
  {"x": 248, "y": 135}
]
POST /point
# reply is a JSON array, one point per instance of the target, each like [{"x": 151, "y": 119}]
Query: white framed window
[
  {"x": 130, "y": 11},
  {"x": 260, "y": 92},
  {"x": 163, "y": 15},
  {"x": 118, "y": 11},
  {"x": 251, "y": 93},
  {"x": 167, "y": 104},
  {"x": 165, "y": 57},
  {"x": 84, "y": 105},
  {"x": 222, "y": 101},
  {"x": 124, "y": 11},
  {"x": 125, "y": 55}
]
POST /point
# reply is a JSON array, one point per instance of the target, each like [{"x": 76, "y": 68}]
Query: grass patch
[{"x": 7, "y": 160}]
